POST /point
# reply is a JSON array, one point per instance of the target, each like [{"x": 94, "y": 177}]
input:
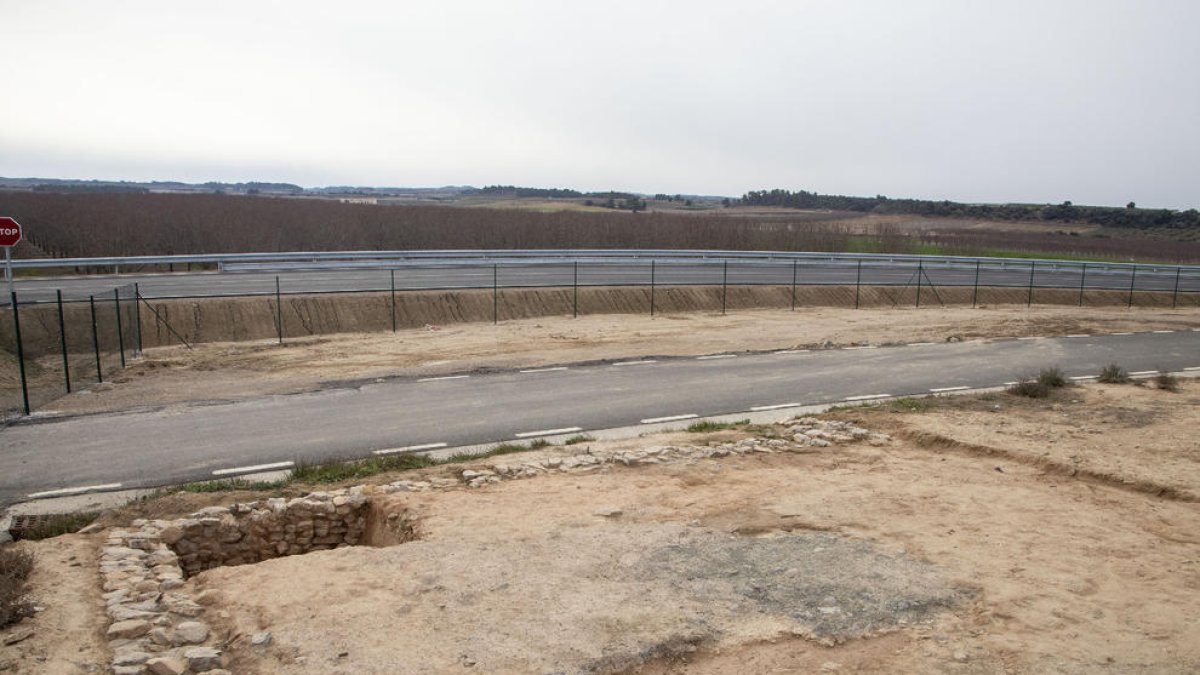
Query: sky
[{"x": 1093, "y": 101}]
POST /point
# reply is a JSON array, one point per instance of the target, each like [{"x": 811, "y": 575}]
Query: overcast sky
[{"x": 1095, "y": 101}]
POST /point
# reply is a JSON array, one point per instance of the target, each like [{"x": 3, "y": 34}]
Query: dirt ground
[
  {"x": 995, "y": 534},
  {"x": 232, "y": 370}
]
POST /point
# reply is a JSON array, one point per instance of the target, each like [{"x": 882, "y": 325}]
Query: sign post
[{"x": 10, "y": 234}]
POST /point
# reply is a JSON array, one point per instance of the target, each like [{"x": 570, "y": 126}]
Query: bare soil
[{"x": 232, "y": 370}]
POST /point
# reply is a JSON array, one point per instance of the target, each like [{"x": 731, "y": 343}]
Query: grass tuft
[
  {"x": 15, "y": 567},
  {"x": 1114, "y": 374},
  {"x": 231, "y": 485},
  {"x": 1166, "y": 381},
  {"x": 581, "y": 438},
  {"x": 1029, "y": 389},
  {"x": 908, "y": 404},
  {"x": 1052, "y": 378},
  {"x": 708, "y": 425},
  {"x": 67, "y": 523},
  {"x": 333, "y": 472}
]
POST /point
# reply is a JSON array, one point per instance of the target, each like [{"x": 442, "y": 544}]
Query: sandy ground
[{"x": 232, "y": 370}]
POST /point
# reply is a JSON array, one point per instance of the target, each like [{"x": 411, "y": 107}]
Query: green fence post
[
  {"x": 920, "y": 273},
  {"x": 96, "y": 339},
  {"x": 278, "y": 310},
  {"x": 1132, "y": 282},
  {"x": 1082, "y": 280},
  {"x": 1175, "y": 294},
  {"x": 857, "y": 284},
  {"x": 794, "y": 263},
  {"x": 651, "y": 288},
  {"x": 724, "y": 284},
  {"x": 975, "y": 294},
  {"x": 20, "y": 351},
  {"x": 120, "y": 336},
  {"x": 62, "y": 333},
  {"x": 392, "y": 273},
  {"x": 137, "y": 314}
]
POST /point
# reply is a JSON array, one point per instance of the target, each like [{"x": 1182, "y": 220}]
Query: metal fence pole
[
  {"x": 651, "y": 288},
  {"x": 724, "y": 284},
  {"x": 1029, "y": 300},
  {"x": 95, "y": 339},
  {"x": 1175, "y": 294},
  {"x": 975, "y": 294},
  {"x": 857, "y": 284},
  {"x": 794, "y": 262},
  {"x": 1132, "y": 282},
  {"x": 20, "y": 351},
  {"x": 137, "y": 314},
  {"x": 278, "y": 310},
  {"x": 1082, "y": 281},
  {"x": 575, "y": 293},
  {"x": 495, "y": 294},
  {"x": 392, "y": 273},
  {"x": 62, "y": 333},
  {"x": 120, "y": 337},
  {"x": 920, "y": 273}
]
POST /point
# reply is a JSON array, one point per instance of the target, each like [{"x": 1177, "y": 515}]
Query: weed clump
[
  {"x": 15, "y": 567},
  {"x": 1114, "y": 374},
  {"x": 1166, "y": 381},
  {"x": 581, "y": 438},
  {"x": 1040, "y": 387},
  {"x": 709, "y": 425},
  {"x": 1052, "y": 378}
]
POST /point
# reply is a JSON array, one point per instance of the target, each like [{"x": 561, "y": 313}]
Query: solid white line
[
  {"x": 1196, "y": 330},
  {"x": 867, "y": 397},
  {"x": 761, "y": 408},
  {"x": 409, "y": 448},
  {"x": 1192, "y": 368},
  {"x": 1084, "y": 377},
  {"x": 1144, "y": 372},
  {"x": 634, "y": 363},
  {"x": 862, "y": 347},
  {"x": 716, "y": 356},
  {"x": 672, "y": 418},
  {"x": 1009, "y": 384},
  {"x": 920, "y": 344},
  {"x": 1120, "y": 333},
  {"x": 1031, "y": 338},
  {"x": 791, "y": 351},
  {"x": 1078, "y": 336},
  {"x": 444, "y": 377},
  {"x": 73, "y": 491},
  {"x": 252, "y": 469},
  {"x": 1163, "y": 331},
  {"x": 544, "y": 370},
  {"x": 941, "y": 389},
  {"x": 548, "y": 432}
]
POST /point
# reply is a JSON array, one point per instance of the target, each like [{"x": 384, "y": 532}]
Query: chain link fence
[{"x": 79, "y": 343}]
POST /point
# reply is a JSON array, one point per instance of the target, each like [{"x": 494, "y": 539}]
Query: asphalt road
[
  {"x": 201, "y": 284},
  {"x": 189, "y": 442}
]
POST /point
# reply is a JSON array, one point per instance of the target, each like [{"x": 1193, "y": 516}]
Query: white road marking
[
  {"x": 941, "y": 389},
  {"x": 791, "y": 351},
  {"x": 866, "y": 397},
  {"x": 716, "y": 356},
  {"x": 1032, "y": 338},
  {"x": 409, "y": 448},
  {"x": 1120, "y": 333},
  {"x": 761, "y": 408},
  {"x": 920, "y": 344},
  {"x": 1078, "y": 336},
  {"x": 255, "y": 468},
  {"x": 443, "y": 377},
  {"x": 1192, "y": 368},
  {"x": 73, "y": 491},
  {"x": 544, "y": 370},
  {"x": 1084, "y": 377},
  {"x": 1009, "y": 384},
  {"x": 634, "y": 363},
  {"x": 1163, "y": 331},
  {"x": 548, "y": 432},
  {"x": 862, "y": 347},
  {"x": 672, "y": 418},
  {"x": 1144, "y": 372}
]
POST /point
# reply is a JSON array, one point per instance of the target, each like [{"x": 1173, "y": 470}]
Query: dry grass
[{"x": 15, "y": 567}]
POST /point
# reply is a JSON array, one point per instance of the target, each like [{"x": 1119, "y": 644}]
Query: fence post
[
  {"x": 62, "y": 333},
  {"x": 1175, "y": 294},
  {"x": 794, "y": 262},
  {"x": 857, "y": 284},
  {"x": 724, "y": 283},
  {"x": 1082, "y": 280},
  {"x": 575, "y": 293},
  {"x": 1032, "y": 267},
  {"x": 120, "y": 336},
  {"x": 495, "y": 293},
  {"x": 920, "y": 273},
  {"x": 1132, "y": 282},
  {"x": 975, "y": 294},
  {"x": 278, "y": 311},
  {"x": 137, "y": 315},
  {"x": 651, "y": 288},
  {"x": 96, "y": 339},
  {"x": 20, "y": 351},
  {"x": 392, "y": 273}
]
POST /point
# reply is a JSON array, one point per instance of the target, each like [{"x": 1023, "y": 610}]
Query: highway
[
  {"x": 199, "y": 441},
  {"x": 254, "y": 280}
]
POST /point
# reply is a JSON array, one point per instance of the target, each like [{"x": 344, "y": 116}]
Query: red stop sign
[{"x": 10, "y": 231}]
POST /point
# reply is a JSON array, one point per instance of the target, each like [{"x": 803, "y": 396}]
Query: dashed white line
[
  {"x": 1032, "y": 338},
  {"x": 861, "y": 347},
  {"x": 1084, "y": 377},
  {"x": 443, "y": 377},
  {"x": 1120, "y": 333},
  {"x": 942, "y": 389},
  {"x": 548, "y": 432},
  {"x": 254, "y": 468},
  {"x": 634, "y": 363},
  {"x": 73, "y": 491},
  {"x": 710, "y": 357},
  {"x": 1079, "y": 336},
  {"x": 1192, "y": 368},
  {"x": 1009, "y": 384},
  {"x": 777, "y": 406},
  {"x": 409, "y": 448},
  {"x": 672, "y": 418},
  {"x": 921, "y": 344},
  {"x": 1143, "y": 372},
  {"x": 866, "y": 397},
  {"x": 791, "y": 351},
  {"x": 544, "y": 370},
  {"x": 1163, "y": 331}
]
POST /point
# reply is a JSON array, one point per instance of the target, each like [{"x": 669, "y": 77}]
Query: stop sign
[{"x": 10, "y": 231}]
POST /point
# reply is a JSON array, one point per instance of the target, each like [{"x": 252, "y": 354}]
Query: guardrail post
[
  {"x": 794, "y": 262},
  {"x": 1132, "y": 282},
  {"x": 975, "y": 294},
  {"x": 96, "y": 339},
  {"x": 920, "y": 273},
  {"x": 120, "y": 337},
  {"x": 20, "y": 351},
  {"x": 857, "y": 284},
  {"x": 137, "y": 315},
  {"x": 495, "y": 293},
  {"x": 1029, "y": 300},
  {"x": 575, "y": 293},
  {"x": 62, "y": 334},
  {"x": 1175, "y": 293},
  {"x": 278, "y": 310},
  {"x": 392, "y": 273},
  {"x": 724, "y": 283},
  {"x": 1082, "y": 280}
]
